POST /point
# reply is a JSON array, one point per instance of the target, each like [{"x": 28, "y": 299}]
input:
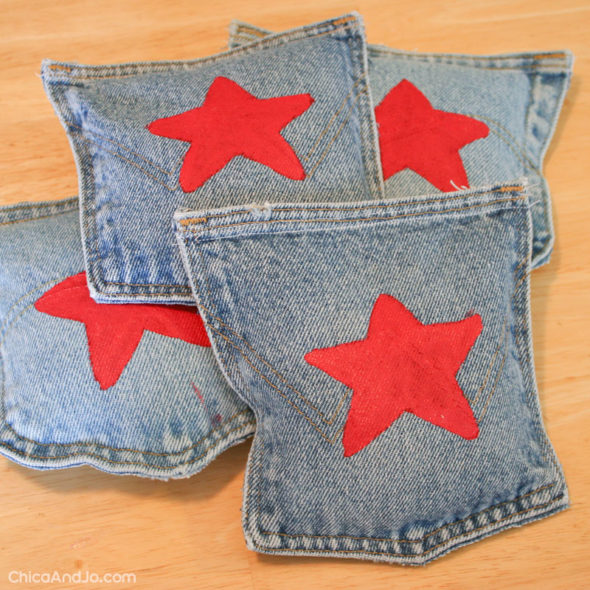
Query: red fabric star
[
  {"x": 232, "y": 122},
  {"x": 114, "y": 330},
  {"x": 414, "y": 135},
  {"x": 402, "y": 366}
]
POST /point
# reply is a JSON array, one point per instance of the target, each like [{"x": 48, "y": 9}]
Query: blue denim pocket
[
  {"x": 168, "y": 412},
  {"x": 385, "y": 349},
  {"x": 518, "y": 97},
  {"x": 151, "y": 137}
]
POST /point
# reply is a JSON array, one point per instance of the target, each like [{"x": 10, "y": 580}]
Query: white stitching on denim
[
  {"x": 398, "y": 203},
  {"x": 202, "y": 230}
]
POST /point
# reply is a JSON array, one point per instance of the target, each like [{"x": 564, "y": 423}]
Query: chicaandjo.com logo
[{"x": 79, "y": 577}]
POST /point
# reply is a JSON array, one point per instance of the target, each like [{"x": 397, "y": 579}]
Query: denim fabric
[
  {"x": 169, "y": 414},
  {"x": 275, "y": 282},
  {"x": 129, "y": 177},
  {"x": 518, "y": 96}
]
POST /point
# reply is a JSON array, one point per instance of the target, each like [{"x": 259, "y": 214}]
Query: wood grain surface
[{"x": 187, "y": 533}]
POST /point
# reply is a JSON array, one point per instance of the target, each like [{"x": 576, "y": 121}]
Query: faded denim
[
  {"x": 519, "y": 96},
  {"x": 169, "y": 414},
  {"x": 128, "y": 177},
  {"x": 273, "y": 282}
]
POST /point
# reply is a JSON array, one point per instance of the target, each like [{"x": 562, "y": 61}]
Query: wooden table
[{"x": 187, "y": 534}]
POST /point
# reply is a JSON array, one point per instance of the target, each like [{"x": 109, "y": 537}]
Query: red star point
[
  {"x": 114, "y": 330},
  {"x": 402, "y": 366},
  {"x": 232, "y": 122},
  {"x": 414, "y": 135}
]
